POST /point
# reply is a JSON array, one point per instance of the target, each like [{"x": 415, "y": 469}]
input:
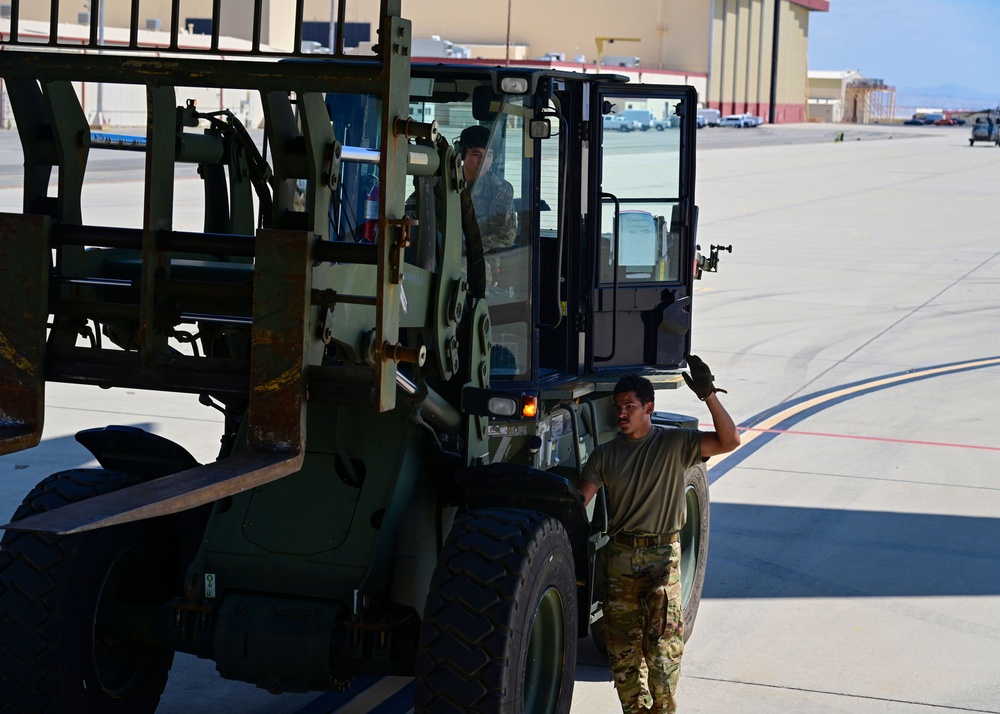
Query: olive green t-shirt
[{"x": 645, "y": 478}]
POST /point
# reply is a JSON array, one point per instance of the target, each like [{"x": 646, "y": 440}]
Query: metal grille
[{"x": 23, "y": 32}]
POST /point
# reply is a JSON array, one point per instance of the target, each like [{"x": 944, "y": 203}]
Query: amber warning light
[{"x": 529, "y": 406}]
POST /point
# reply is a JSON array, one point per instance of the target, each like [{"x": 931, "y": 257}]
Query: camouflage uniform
[
  {"x": 644, "y": 479},
  {"x": 488, "y": 223},
  {"x": 493, "y": 199},
  {"x": 644, "y": 627}
]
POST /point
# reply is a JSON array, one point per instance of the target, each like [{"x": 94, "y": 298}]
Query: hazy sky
[{"x": 911, "y": 43}]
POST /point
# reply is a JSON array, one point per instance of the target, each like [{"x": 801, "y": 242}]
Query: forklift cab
[
  {"x": 588, "y": 233},
  {"x": 598, "y": 273}
]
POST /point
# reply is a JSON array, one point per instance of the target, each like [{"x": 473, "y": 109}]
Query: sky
[{"x": 911, "y": 43}]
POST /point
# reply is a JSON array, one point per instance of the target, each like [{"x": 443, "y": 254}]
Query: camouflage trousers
[{"x": 644, "y": 627}]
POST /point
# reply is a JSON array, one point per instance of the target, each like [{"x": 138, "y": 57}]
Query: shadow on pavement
[{"x": 777, "y": 551}]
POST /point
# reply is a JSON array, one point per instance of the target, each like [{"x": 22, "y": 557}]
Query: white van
[
  {"x": 709, "y": 117},
  {"x": 647, "y": 120}
]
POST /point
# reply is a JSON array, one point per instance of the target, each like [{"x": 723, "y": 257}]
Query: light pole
[
  {"x": 332, "y": 41},
  {"x": 507, "y": 62},
  {"x": 99, "y": 122}
]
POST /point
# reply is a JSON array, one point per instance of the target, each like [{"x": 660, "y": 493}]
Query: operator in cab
[{"x": 490, "y": 199}]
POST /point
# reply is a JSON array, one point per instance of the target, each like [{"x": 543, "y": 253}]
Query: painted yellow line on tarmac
[
  {"x": 374, "y": 695},
  {"x": 768, "y": 425}
]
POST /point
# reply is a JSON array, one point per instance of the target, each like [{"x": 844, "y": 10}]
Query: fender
[{"x": 135, "y": 451}]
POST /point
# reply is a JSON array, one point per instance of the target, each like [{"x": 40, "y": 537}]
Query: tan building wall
[
  {"x": 739, "y": 76},
  {"x": 725, "y": 45},
  {"x": 663, "y": 28},
  {"x": 673, "y": 34}
]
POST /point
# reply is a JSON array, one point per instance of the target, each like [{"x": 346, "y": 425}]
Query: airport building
[
  {"x": 850, "y": 97},
  {"x": 743, "y": 56}
]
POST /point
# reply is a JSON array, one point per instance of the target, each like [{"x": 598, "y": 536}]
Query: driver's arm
[{"x": 589, "y": 490}]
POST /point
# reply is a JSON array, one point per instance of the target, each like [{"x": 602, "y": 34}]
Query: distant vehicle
[
  {"x": 933, "y": 118},
  {"x": 946, "y": 121},
  {"x": 985, "y": 129},
  {"x": 737, "y": 120},
  {"x": 646, "y": 119},
  {"x": 754, "y": 120},
  {"x": 615, "y": 121},
  {"x": 919, "y": 121},
  {"x": 710, "y": 117},
  {"x": 700, "y": 121}
]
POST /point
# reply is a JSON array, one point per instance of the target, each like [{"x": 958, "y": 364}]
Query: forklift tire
[
  {"x": 59, "y": 596},
  {"x": 499, "y": 632},
  {"x": 694, "y": 556}
]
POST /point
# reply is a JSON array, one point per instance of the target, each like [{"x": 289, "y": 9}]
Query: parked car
[
  {"x": 933, "y": 118},
  {"x": 917, "y": 121},
  {"x": 946, "y": 121},
  {"x": 646, "y": 119},
  {"x": 614, "y": 121},
  {"x": 737, "y": 120}
]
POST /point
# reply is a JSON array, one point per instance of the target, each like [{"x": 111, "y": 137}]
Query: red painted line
[{"x": 885, "y": 439}]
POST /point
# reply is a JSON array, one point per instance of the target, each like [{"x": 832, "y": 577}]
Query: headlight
[
  {"x": 514, "y": 85},
  {"x": 502, "y": 406}
]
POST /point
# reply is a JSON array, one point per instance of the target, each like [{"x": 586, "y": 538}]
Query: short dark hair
[
  {"x": 642, "y": 387},
  {"x": 474, "y": 136}
]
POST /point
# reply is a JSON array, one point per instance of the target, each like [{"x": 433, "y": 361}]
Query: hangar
[{"x": 742, "y": 55}]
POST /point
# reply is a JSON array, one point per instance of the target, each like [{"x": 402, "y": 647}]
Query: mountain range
[{"x": 946, "y": 96}]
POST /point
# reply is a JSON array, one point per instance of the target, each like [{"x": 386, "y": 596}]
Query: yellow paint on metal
[
  {"x": 11, "y": 356},
  {"x": 286, "y": 378}
]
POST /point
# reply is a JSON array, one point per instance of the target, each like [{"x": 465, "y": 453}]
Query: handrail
[{"x": 616, "y": 232}]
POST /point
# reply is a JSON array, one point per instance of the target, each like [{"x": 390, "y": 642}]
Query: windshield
[
  {"x": 489, "y": 131},
  {"x": 641, "y": 182}
]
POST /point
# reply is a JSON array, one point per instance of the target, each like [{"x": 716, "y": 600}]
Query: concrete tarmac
[{"x": 856, "y": 533}]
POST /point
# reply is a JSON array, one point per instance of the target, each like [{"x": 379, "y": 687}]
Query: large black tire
[
  {"x": 694, "y": 543},
  {"x": 694, "y": 555},
  {"x": 499, "y": 633},
  {"x": 57, "y": 596}
]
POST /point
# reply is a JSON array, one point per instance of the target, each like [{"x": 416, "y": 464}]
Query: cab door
[{"x": 642, "y": 218}]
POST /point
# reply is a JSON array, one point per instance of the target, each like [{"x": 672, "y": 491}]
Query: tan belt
[{"x": 645, "y": 541}]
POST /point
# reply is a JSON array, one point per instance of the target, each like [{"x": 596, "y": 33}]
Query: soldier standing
[{"x": 643, "y": 472}]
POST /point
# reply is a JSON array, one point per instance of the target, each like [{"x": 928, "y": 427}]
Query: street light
[{"x": 99, "y": 121}]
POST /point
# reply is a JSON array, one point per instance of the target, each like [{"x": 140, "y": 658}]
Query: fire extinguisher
[{"x": 369, "y": 228}]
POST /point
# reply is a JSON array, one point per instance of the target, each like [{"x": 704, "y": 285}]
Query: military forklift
[{"x": 395, "y": 488}]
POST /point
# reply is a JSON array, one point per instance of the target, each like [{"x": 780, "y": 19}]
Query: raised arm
[{"x": 726, "y": 437}]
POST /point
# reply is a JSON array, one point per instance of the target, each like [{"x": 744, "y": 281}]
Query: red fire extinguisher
[{"x": 369, "y": 228}]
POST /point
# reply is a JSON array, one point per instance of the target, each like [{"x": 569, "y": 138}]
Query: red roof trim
[
  {"x": 817, "y": 5},
  {"x": 499, "y": 63}
]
